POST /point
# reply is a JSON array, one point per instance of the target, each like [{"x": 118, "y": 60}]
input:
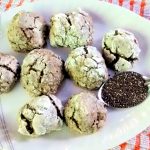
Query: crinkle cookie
[
  {"x": 84, "y": 113},
  {"x": 9, "y": 72},
  {"x": 40, "y": 116},
  {"x": 42, "y": 72},
  {"x": 72, "y": 29},
  {"x": 86, "y": 67},
  {"x": 120, "y": 49},
  {"x": 26, "y": 32}
]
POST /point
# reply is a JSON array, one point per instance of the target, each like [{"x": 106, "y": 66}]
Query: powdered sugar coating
[
  {"x": 26, "y": 32},
  {"x": 84, "y": 113},
  {"x": 9, "y": 72},
  {"x": 40, "y": 116},
  {"x": 41, "y": 72},
  {"x": 72, "y": 29},
  {"x": 120, "y": 49},
  {"x": 86, "y": 67}
]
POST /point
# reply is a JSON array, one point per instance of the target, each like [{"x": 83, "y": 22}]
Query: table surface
[{"x": 141, "y": 7}]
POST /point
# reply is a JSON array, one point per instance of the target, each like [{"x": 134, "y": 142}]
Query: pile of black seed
[{"x": 124, "y": 90}]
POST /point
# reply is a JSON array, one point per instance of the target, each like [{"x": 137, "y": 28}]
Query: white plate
[{"x": 122, "y": 124}]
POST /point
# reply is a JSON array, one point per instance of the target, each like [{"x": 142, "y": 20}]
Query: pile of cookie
[{"x": 42, "y": 72}]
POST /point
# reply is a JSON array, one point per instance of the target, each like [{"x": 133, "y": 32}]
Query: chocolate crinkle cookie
[
  {"x": 73, "y": 29},
  {"x": 42, "y": 72},
  {"x": 9, "y": 72},
  {"x": 84, "y": 113},
  {"x": 86, "y": 67},
  {"x": 27, "y": 31},
  {"x": 120, "y": 49},
  {"x": 40, "y": 116},
  {"x": 124, "y": 90}
]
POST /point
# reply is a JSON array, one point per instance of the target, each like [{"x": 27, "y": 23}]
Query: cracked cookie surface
[
  {"x": 40, "y": 116},
  {"x": 26, "y": 32},
  {"x": 9, "y": 72},
  {"x": 72, "y": 29},
  {"x": 84, "y": 113},
  {"x": 86, "y": 67},
  {"x": 120, "y": 49},
  {"x": 41, "y": 72}
]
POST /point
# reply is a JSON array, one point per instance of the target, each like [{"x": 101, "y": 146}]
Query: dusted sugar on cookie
[
  {"x": 125, "y": 89},
  {"x": 9, "y": 72},
  {"x": 86, "y": 67},
  {"x": 41, "y": 72},
  {"x": 40, "y": 116},
  {"x": 120, "y": 49},
  {"x": 26, "y": 32},
  {"x": 84, "y": 113},
  {"x": 73, "y": 29}
]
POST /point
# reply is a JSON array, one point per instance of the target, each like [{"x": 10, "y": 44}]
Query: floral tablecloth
[{"x": 141, "y": 7}]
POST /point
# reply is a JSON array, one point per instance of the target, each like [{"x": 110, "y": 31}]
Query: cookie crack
[
  {"x": 29, "y": 127},
  {"x": 97, "y": 119},
  {"x": 75, "y": 121},
  {"x": 35, "y": 18},
  {"x": 57, "y": 109},
  {"x": 23, "y": 31},
  {"x": 42, "y": 73},
  {"x": 31, "y": 66},
  {"x": 82, "y": 14},
  {"x": 68, "y": 19},
  {"x": 16, "y": 74},
  {"x": 130, "y": 59},
  {"x": 30, "y": 28},
  {"x": 32, "y": 109},
  {"x": 116, "y": 32},
  {"x": 85, "y": 49},
  {"x": 98, "y": 63},
  {"x": 15, "y": 44}
]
